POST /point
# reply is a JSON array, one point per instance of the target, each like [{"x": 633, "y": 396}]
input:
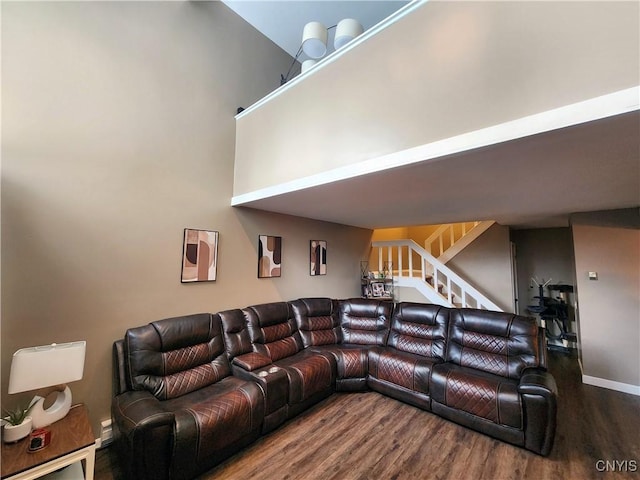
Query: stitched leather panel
[
  {"x": 396, "y": 370},
  {"x": 362, "y": 323},
  {"x": 320, "y": 323},
  {"x": 477, "y": 397},
  {"x": 323, "y": 337},
  {"x": 353, "y": 362},
  {"x": 184, "y": 358},
  {"x": 359, "y": 337},
  {"x": 221, "y": 421},
  {"x": 190, "y": 380},
  {"x": 484, "y": 342},
  {"x": 416, "y": 329},
  {"x": 415, "y": 345},
  {"x": 281, "y": 348},
  {"x": 488, "y": 362},
  {"x": 276, "y": 332},
  {"x": 315, "y": 373}
]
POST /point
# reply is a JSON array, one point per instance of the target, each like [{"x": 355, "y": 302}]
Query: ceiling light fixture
[
  {"x": 314, "y": 39},
  {"x": 346, "y": 30},
  {"x": 314, "y": 42}
]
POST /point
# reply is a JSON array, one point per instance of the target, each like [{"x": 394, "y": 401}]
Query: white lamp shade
[
  {"x": 39, "y": 367},
  {"x": 314, "y": 40},
  {"x": 307, "y": 64},
  {"x": 347, "y": 30}
]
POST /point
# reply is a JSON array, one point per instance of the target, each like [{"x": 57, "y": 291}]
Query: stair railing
[
  {"x": 455, "y": 290},
  {"x": 446, "y": 235}
]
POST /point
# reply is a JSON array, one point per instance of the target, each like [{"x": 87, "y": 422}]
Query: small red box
[{"x": 39, "y": 439}]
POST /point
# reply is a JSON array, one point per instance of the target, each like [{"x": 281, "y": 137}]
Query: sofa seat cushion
[
  {"x": 214, "y": 418},
  {"x": 404, "y": 369},
  {"x": 478, "y": 393},
  {"x": 308, "y": 373}
]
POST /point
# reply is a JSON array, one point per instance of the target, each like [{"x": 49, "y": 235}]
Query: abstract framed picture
[
  {"x": 318, "y": 257},
  {"x": 269, "y": 256},
  {"x": 199, "y": 256}
]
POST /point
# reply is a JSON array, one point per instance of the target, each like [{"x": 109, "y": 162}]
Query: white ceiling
[
  {"x": 282, "y": 21},
  {"x": 533, "y": 182}
]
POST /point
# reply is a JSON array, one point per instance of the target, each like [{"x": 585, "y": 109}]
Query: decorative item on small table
[
  {"x": 54, "y": 365},
  {"x": 18, "y": 424},
  {"x": 39, "y": 439}
]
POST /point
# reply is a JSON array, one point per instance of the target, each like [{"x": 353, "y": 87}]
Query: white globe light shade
[
  {"x": 314, "y": 40},
  {"x": 347, "y": 30}
]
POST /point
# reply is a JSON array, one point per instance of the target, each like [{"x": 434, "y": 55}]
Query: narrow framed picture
[
  {"x": 199, "y": 256},
  {"x": 318, "y": 257},
  {"x": 269, "y": 256}
]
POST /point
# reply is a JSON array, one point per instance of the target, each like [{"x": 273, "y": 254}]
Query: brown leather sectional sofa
[{"x": 191, "y": 391}]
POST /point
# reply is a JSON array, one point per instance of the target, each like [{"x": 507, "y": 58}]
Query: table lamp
[{"x": 45, "y": 366}]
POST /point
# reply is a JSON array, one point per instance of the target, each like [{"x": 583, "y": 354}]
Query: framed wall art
[
  {"x": 377, "y": 289},
  {"x": 318, "y": 256},
  {"x": 199, "y": 256},
  {"x": 269, "y": 256}
]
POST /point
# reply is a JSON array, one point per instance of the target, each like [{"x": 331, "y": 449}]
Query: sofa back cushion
[
  {"x": 273, "y": 330},
  {"x": 364, "y": 321},
  {"x": 495, "y": 342},
  {"x": 236, "y": 332},
  {"x": 175, "y": 356},
  {"x": 420, "y": 329},
  {"x": 317, "y": 321}
]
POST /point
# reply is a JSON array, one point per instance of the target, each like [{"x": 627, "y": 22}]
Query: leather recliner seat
[
  {"x": 178, "y": 410},
  {"x": 274, "y": 333},
  {"x": 347, "y": 330}
]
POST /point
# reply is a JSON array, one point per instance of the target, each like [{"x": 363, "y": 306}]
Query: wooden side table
[{"x": 72, "y": 441}]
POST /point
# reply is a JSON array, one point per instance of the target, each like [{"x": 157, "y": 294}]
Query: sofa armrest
[
  {"x": 251, "y": 361},
  {"x": 143, "y": 434},
  {"x": 539, "y": 392},
  {"x": 536, "y": 381},
  {"x": 273, "y": 382}
]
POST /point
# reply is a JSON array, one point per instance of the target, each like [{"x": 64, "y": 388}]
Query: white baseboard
[
  {"x": 611, "y": 385},
  {"x": 106, "y": 434}
]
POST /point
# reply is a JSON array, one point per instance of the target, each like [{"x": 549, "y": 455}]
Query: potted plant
[{"x": 17, "y": 424}]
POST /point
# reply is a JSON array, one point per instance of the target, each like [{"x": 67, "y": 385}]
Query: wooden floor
[{"x": 370, "y": 436}]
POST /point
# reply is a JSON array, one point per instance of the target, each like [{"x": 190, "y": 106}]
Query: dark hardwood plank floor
[{"x": 370, "y": 436}]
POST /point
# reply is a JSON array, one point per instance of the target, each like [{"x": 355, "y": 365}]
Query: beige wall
[
  {"x": 118, "y": 132},
  {"x": 446, "y": 69},
  {"x": 608, "y": 308},
  {"x": 486, "y": 264}
]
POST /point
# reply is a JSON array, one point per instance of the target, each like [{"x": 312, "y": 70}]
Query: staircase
[
  {"x": 414, "y": 267},
  {"x": 450, "y": 239}
]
